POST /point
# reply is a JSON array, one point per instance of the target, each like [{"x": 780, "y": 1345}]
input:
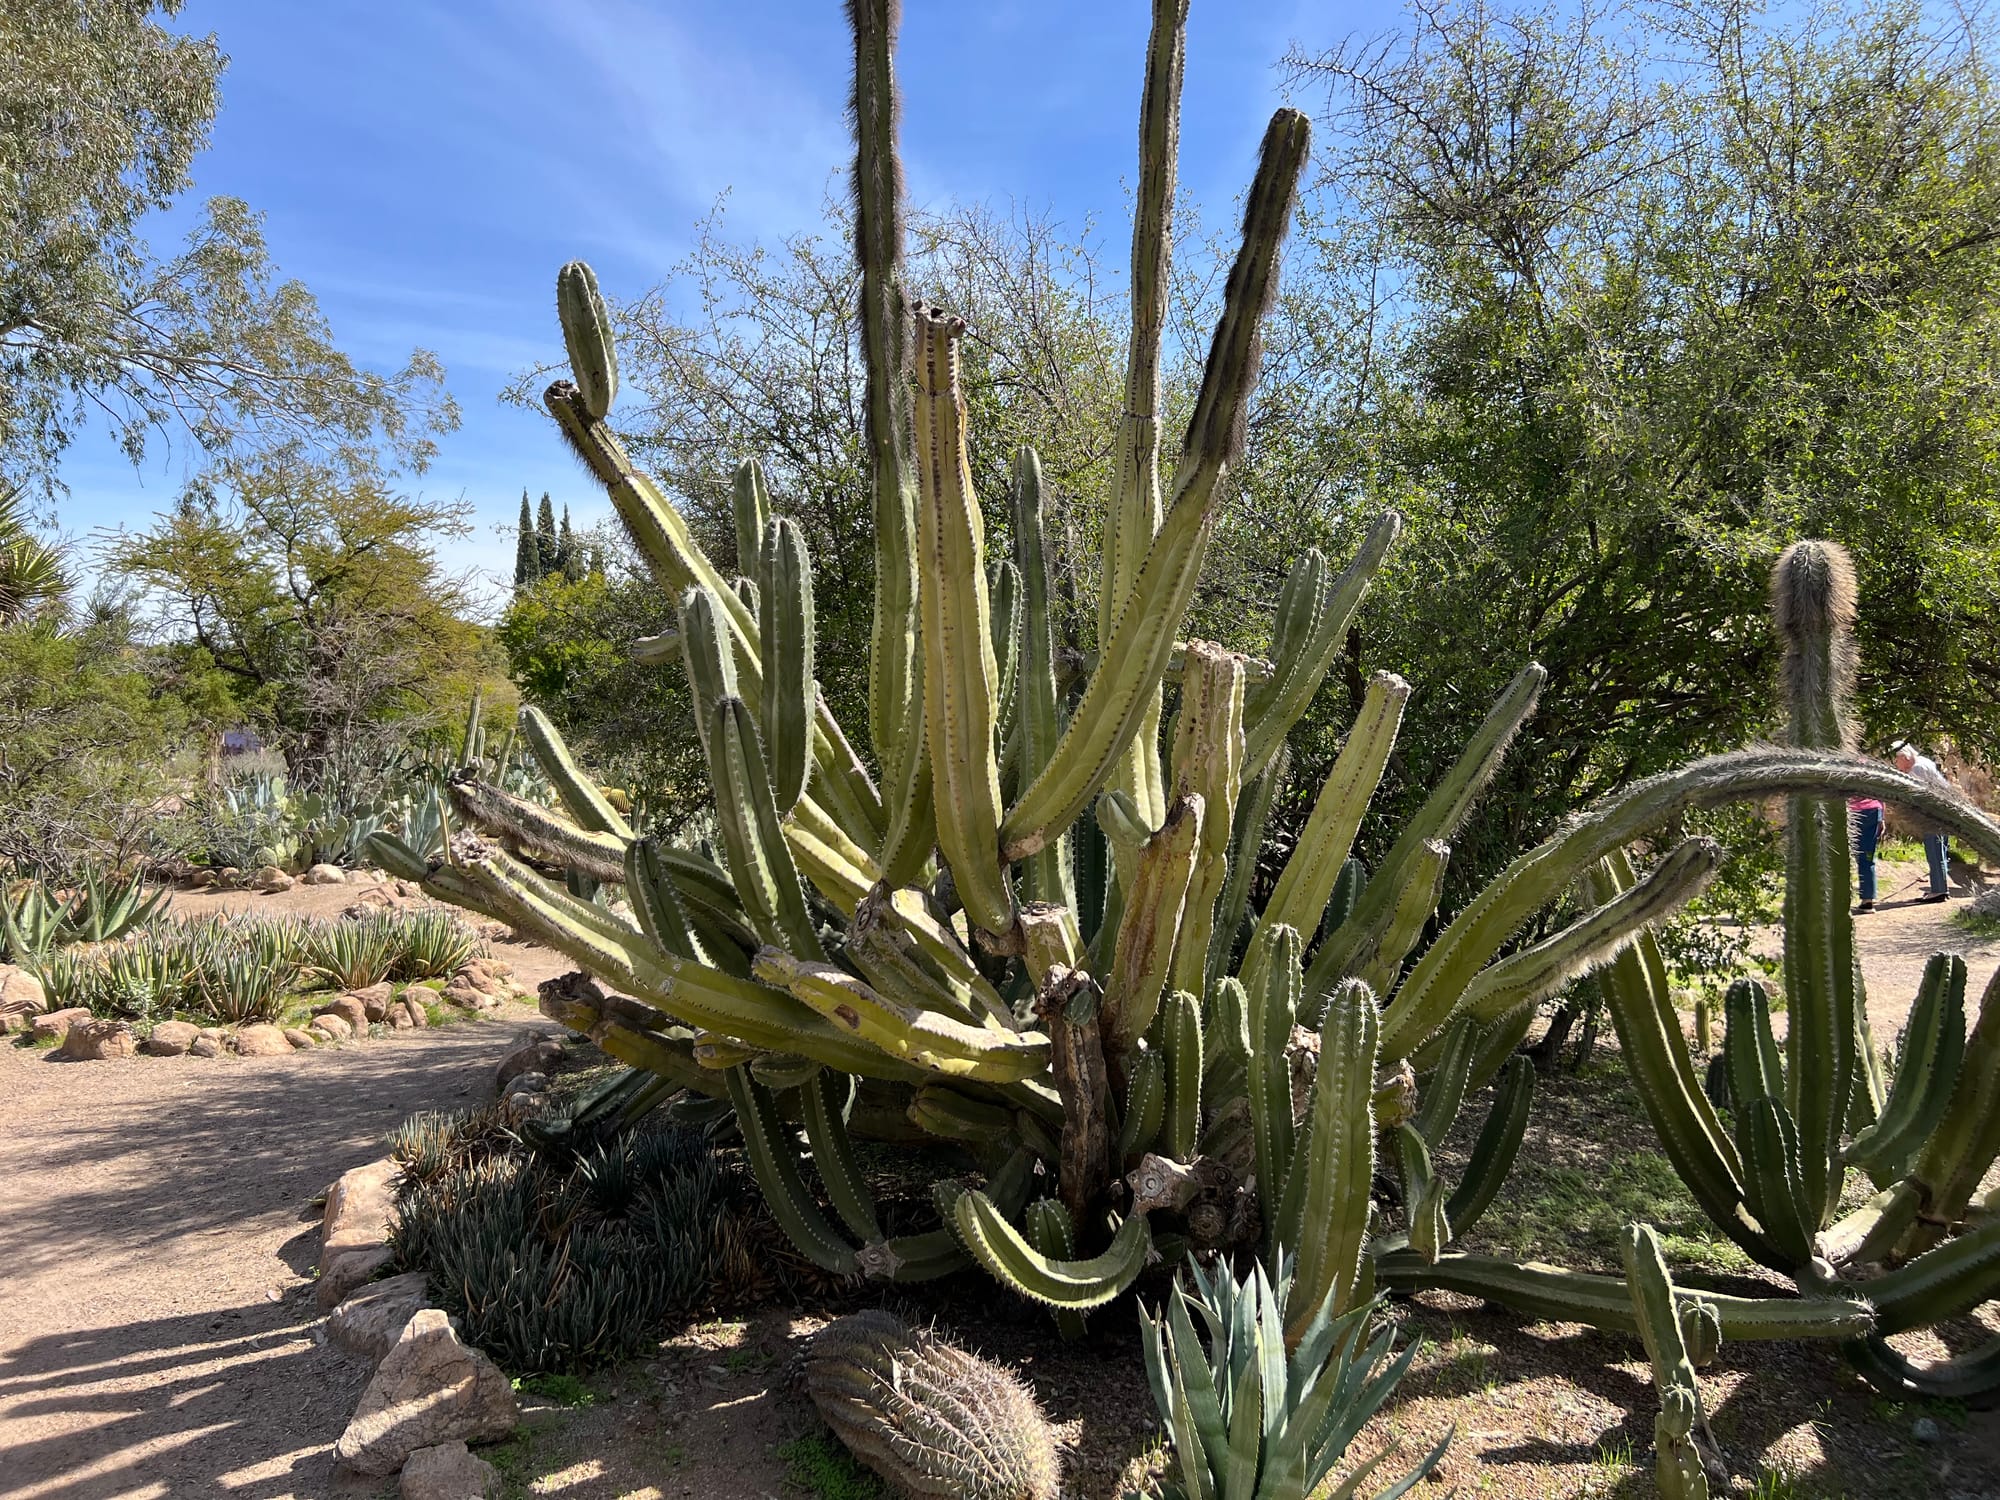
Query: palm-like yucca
[
  {"x": 31, "y": 572},
  {"x": 1021, "y": 920}
]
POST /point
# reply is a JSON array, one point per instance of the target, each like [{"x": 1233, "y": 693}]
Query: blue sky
[{"x": 426, "y": 165}]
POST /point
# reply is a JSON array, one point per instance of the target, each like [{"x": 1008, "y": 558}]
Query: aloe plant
[{"x": 1070, "y": 975}]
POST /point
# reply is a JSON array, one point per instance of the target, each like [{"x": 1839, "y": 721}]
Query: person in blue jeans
[
  {"x": 1937, "y": 846},
  {"x": 1864, "y": 821}
]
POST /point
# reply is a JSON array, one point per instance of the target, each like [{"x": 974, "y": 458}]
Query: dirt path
[{"x": 157, "y": 1238}]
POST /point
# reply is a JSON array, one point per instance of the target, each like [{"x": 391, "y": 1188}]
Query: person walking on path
[
  {"x": 1864, "y": 821},
  {"x": 1937, "y": 846}
]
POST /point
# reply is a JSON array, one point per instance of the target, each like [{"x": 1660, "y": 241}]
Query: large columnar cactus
[{"x": 1015, "y": 914}]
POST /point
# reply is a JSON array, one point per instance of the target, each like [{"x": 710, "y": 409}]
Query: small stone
[
  {"x": 205, "y": 1046},
  {"x": 170, "y": 1039},
  {"x": 271, "y": 880},
  {"x": 1924, "y": 1430},
  {"x": 537, "y": 1056},
  {"x": 340, "y": 1274},
  {"x": 201, "y": 880},
  {"x": 228, "y": 875},
  {"x": 324, "y": 874},
  {"x": 371, "y": 1319},
  {"x": 260, "y": 1040},
  {"x": 56, "y": 1023},
  {"x": 429, "y": 1390},
  {"x": 89, "y": 1041},
  {"x": 527, "y": 1083},
  {"x": 448, "y": 1471},
  {"x": 301, "y": 1040},
  {"x": 331, "y": 1026}
]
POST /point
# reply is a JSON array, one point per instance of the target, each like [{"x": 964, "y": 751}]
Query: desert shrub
[{"x": 559, "y": 1264}]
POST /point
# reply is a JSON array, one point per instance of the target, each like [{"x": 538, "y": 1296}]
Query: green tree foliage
[
  {"x": 317, "y": 593},
  {"x": 527, "y": 548},
  {"x": 102, "y": 111},
  {"x": 570, "y": 561},
  {"x": 548, "y": 542}
]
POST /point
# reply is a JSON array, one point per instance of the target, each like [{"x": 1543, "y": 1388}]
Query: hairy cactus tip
[
  {"x": 1813, "y": 598},
  {"x": 927, "y": 1416},
  {"x": 1813, "y": 590}
]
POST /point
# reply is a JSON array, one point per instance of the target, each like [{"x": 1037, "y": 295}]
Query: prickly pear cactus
[{"x": 928, "y": 1417}]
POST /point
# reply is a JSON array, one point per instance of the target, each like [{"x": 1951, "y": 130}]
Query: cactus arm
[
  {"x": 1446, "y": 1090},
  {"x": 651, "y": 889},
  {"x": 1926, "y": 1072},
  {"x": 1274, "y": 1006},
  {"x": 1540, "y": 875},
  {"x": 1554, "y": 1295},
  {"x": 838, "y": 868},
  {"x": 1075, "y": 1285},
  {"x": 536, "y": 830},
  {"x": 776, "y": 1165},
  {"x": 1145, "y": 1105},
  {"x": 1339, "y": 1160},
  {"x": 1972, "y": 1377},
  {"x": 586, "y": 327},
  {"x": 1004, "y": 590},
  {"x": 750, "y": 509},
  {"x": 785, "y": 622},
  {"x": 1535, "y": 973},
  {"x": 1749, "y": 1047},
  {"x": 1773, "y": 1183},
  {"x": 1679, "y": 1468},
  {"x": 580, "y": 796},
  {"x": 961, "y": 678},
  {"x": 1135, "y": 656},
  {"x": 1955, "y": 1158},
  {"x": 950, "y": 1115},
  {"x": 1181, "y": 1036},
  {"x": 1045, "y": 875},
  {"x": 1207, "y": 762},
  {"x": 1246, "y": 837},
  {"x": 1379, "y": 962},
  {"x": 1423, "y": 1193},
  {"x": 826, "y": 1097},
  {"x": 1820, "y": 1050},
  {"x": 1940, "y": 1284},
  {"x": 926, "y": 1039},
  {"x": 1143, "y": 956},
  {"x": 1301, "y": 670},
  {"x": 1493, "y": 1153},
  {"x": 1307, "y": 881},
  {"x": 760, "y": 861}
]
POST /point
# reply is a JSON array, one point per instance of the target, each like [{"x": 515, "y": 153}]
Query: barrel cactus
[
  {"x": 1013, "y": 911},
  {"x": 928, "y": 1417}
]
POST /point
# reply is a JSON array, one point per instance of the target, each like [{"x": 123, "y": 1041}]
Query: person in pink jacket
[{"x": 1864, "y": 821}]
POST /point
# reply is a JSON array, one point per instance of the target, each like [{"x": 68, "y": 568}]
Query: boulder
[
  {"x": 52, "y": 1025},
  {"x": 300, "y": 1039},
  {"x": 429, "y": 1390},
  {"x": 524, "y": 1105},
  {"x": 270, "y": 880},
  {"x": 1987, "y": 903},
  {"x": 21, "y": 993},
  {"x": 170, "y": 1039},
  {"x": 260, "y": 1040},
  {"x": 374, "y": 1000},
  {"x": 205, "y": 1046},
  {"x": 449, "y": 1471},
  {"x": 371, "y": 1318},
  {"x": 349, "y": 1008},
  {"x": 407, "y": 1013},
  {"x": 228, "y": 875},
  {"x": 463, "y": 995},
  {"x": 537, "y": 1056},
  {"x": 325, "y": 875},
  {"x": 201, "y": 880},
  {"x": 360, "y": 1207},
  {"x": 331, "y": 1026},
  {"x": 340, "y": 1274},
  {"x": 527, "y": 1083},
  {"x": 88, "y": 1041}
]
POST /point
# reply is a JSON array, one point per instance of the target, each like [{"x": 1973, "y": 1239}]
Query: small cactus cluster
[{"x": 1015, "y": 914}]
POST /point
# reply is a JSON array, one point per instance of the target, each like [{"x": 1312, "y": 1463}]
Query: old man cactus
[{"x": 1014, "y": 913}]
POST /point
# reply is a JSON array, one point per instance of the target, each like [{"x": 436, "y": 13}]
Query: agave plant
[
  {"x": 101, "y": 907},
  {"x": 352, "y": 954},
  {"x": 1023, "y": 923},
  {"x": 428, "y": 943}
]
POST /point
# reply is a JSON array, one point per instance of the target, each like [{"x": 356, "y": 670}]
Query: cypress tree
[
  {"x": 545, "y": 535},
  {"x": 527, "y": 548},
  {"x": 569, "y": 551}
]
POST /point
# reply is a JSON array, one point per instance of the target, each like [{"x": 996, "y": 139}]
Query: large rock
[
  {"x": 406, "y": 1011},
  {"x": 271, "y": 880},
  {"x": 331, "y": 1026},
  {"x": 300, "y": 1040},
  {"x": 340, "y": 1274},
  {"x": 21, "y": 995},
  {"x": 375, "y": 1000},
  {"x": 325, "y": 875},
  {"x": 360, "y": 1208},
  {"x": 447, "y": 1472},
  {"x": 88, "y": 1041},
  {"x": 371, "y": 1319},
  {"x": 55, "y": 1024},
  {"x": 537, "y": 1056},
  {"x": 170, "y": 1039},
  {"x": 429, "y": 1389},
  {"x": 350, "y": 1008},
  {"x": 260, "y": 1040}
]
